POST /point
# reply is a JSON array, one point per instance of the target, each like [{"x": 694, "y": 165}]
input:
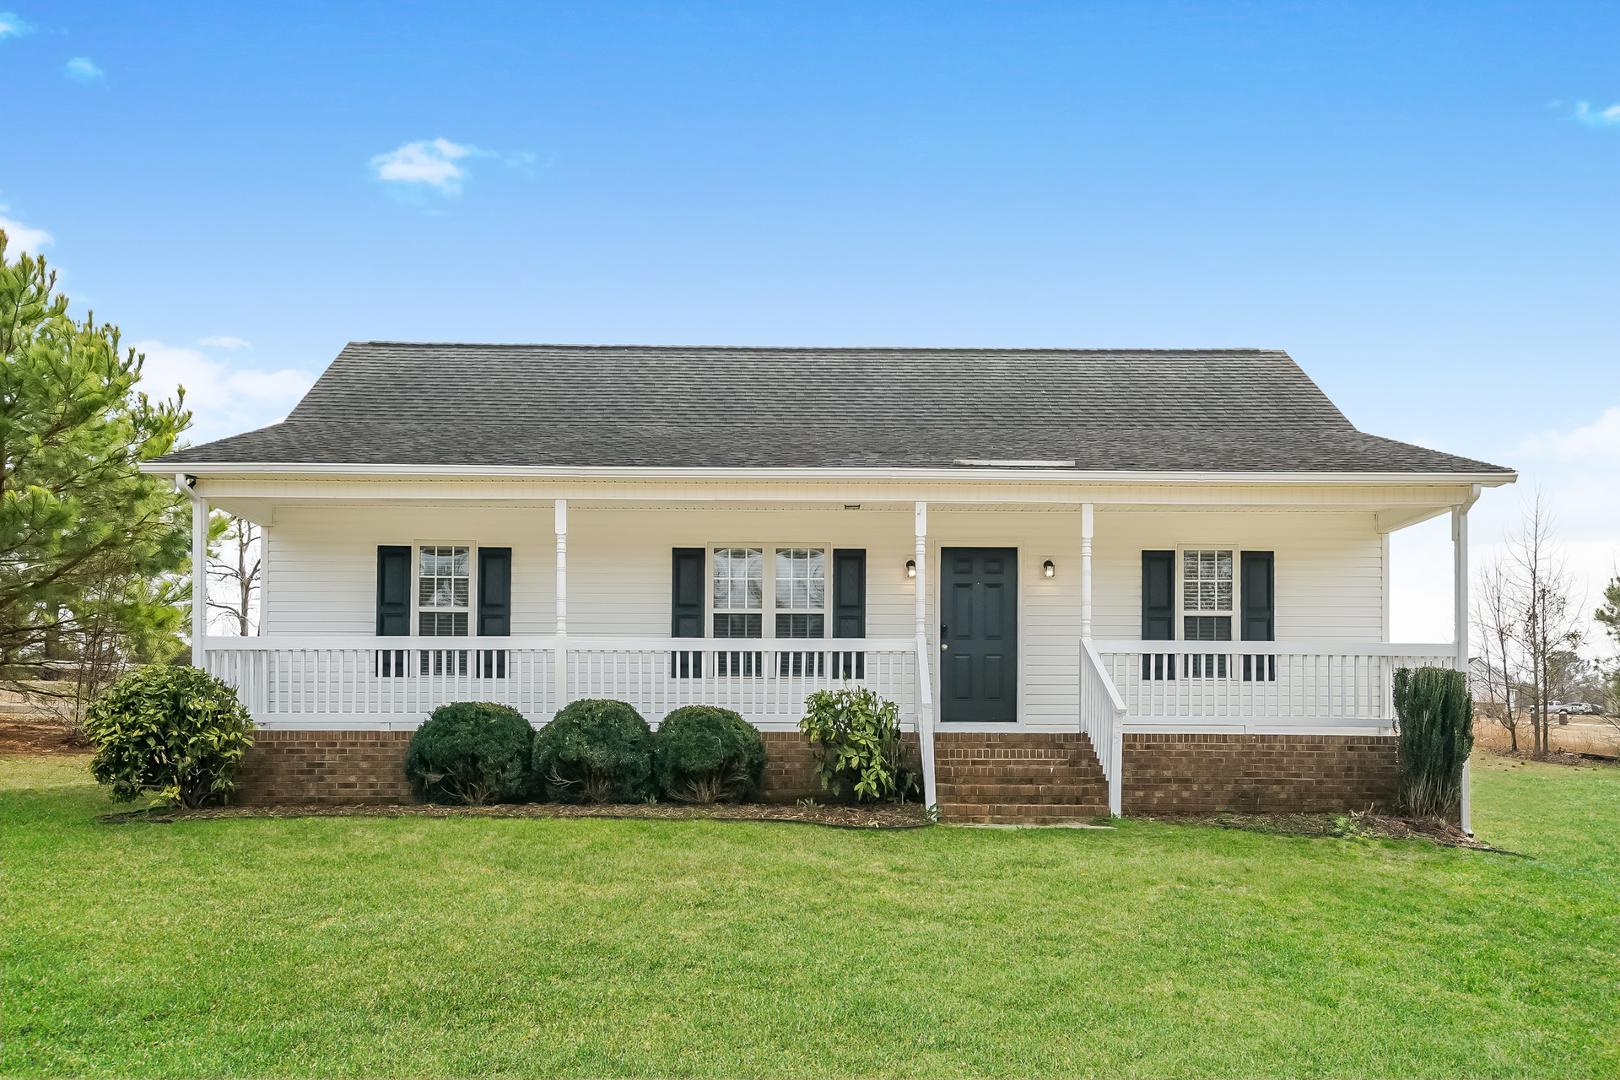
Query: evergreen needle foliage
[
  {"x": 1436, "y": 733},
  {"x": 92, "y": 552}
]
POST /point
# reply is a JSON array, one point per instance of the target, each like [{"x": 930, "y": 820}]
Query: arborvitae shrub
[
  {"x": 705, "y": 754},
  {"x": 594, "y": 751},
  {"x": 176, "y": 733},
  {"x": 1435, "y": 725},
  {"x": 471, "y": 753}
]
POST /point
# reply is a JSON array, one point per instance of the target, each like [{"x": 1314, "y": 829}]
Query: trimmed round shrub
[
  {"x": 594, "y": 751},
  {"x": 175, "y": 733},
  {"x": 471, "y": 753},
  {"x": 705, "y": 754}
]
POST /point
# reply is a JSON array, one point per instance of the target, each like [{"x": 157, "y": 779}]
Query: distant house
[{"x": 1093, "y": 580}]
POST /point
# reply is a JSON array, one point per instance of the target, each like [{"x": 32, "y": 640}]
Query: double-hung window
[
  {"x": 1208, "y": 591},
  {"x": 443, "y": 603},
  {"x": 793, "y": 580}
]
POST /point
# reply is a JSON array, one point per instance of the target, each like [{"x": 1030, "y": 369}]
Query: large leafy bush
[
  {"x": 595, "y": 751},
  {"x": 855, "y": 735},
  {"x": 175, "y": 733},
  {"x": 1435, "y": 725},
  {"x": 471, "y": 752},
  {"x": 705, "y": 754}
]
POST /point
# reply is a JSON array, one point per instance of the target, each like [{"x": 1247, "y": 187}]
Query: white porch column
[
  {"x": 1459, "y": 551},
  {"x": 921, "y": 558},
  {"x": 559, "y": 656},
  {"x": 925, "y": 686},
  {"x": 1087, "y": 524},
  {"x": 199, "y": 574}
]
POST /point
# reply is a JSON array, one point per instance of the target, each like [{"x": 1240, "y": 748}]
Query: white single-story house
[{"x": 1095, "y": 580}]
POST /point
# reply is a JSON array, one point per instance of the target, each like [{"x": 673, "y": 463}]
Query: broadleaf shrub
[
  {"x": 594, "y": 751},
  {"x": 705, "y": 754},
  {"x": 1435, "y": 729},
  {"x": 175, "y": 733},
  {"x": 471, "y": 753},
  {"x": 855, "y": 735}
]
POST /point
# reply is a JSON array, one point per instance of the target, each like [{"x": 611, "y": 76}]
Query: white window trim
[
  {"x": 472, "y": 587},
  {"x": 768, "y": 610},
  {"x": 1179, "y": 585}
]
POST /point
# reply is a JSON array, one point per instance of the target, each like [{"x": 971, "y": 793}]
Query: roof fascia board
[{"x": 575, "y": 472}]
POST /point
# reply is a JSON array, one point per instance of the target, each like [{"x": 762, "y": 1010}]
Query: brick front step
[
  {"x": 1020, "y": 813},
  {"x": 1018, "y": 778}
]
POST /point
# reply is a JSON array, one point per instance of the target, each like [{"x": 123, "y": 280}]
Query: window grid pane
[
  {"x": 1206, "y": 580},
  {"x": 443, "y": 590},
  {"x": 739, "y": 579}
]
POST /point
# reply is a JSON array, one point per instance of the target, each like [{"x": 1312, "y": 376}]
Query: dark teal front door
[{"x": 978, "y": 635}]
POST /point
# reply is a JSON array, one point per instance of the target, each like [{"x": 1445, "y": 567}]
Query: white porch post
[
  {"x": 1459, "y": 551},
  {"x": 199, "y": 573},
  {"x": 925, "y": 705},
  {"x": 1087, "y": 525},
  {"x": 559, "y": 656}
]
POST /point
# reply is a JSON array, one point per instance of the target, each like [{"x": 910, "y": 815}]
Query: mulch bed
[
  {"x": 35, "y": 734},
  {"x": 1343, "y": 826},
  {"x": 843, "y": 817}
]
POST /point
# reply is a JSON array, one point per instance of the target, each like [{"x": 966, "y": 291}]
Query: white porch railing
[
  {"x": 1102, "y": 718},
  {"x": 1238, "y": 686},
  {"x": 765, "y": 681},
  {"x": 347, "y": 682}
]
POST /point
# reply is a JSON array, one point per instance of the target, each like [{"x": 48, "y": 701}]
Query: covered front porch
[{"x": 997, "y": 606}]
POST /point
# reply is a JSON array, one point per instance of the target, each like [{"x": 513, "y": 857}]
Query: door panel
[{"x": 979, "y": 635}]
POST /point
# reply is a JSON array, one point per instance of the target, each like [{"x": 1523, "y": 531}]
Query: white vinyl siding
[{"x": 1329, "y": 569}]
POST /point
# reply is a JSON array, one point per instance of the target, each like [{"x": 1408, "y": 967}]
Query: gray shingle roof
[{"x": 1241, "y": 410}]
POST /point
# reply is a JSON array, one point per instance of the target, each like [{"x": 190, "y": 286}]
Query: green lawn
[{"x": 583, "y": 948}]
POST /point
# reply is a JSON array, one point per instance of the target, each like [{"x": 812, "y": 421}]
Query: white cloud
[
  {"x": 226, "y": 342},
  {"x": 20, "y": 237},
  {"x": 433, "y": 163},
  {"x": 82, "y": 69},
  {"x": 439, "y": 166},
  {"x": 224, "y": 398},
  {"x": 13, "y": 25},
  {"x": 1597, "y": 116},
  {"x": 1595, "y": 443}
]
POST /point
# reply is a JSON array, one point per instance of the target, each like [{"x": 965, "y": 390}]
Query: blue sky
[{"x": 1419, "y": 205}]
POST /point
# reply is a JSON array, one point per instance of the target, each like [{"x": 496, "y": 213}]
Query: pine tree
[{"x": 92, "y": 552}]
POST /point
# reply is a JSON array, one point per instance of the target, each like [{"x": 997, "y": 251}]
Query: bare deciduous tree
[
  {"x": 1497, "y": 619},
  {"x": 1548, "y": 620},
  {"x": 235, "y": 567}
]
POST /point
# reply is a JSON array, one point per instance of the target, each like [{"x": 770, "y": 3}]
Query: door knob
[{"x": 944, "y": 645}]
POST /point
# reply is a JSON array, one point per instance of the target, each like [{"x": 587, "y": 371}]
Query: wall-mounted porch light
[
  {"x": 1047, "y": 569},
  {"x": 911, "y": 568}
]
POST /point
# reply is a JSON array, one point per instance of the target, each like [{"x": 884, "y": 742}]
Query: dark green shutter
[
  {"x": 494, "y": 592},
  {"x": 1259, "y": 596},
  {"x": 686, "y": 609},
  {"x": 393, "y": 591},
  {"x": 1158, "y": 610},
  {"x": 849, "y": 608},
  {"x": 1258, "y": 611},
  {"x": 1158, "y": 596},
  {"x": 849, "y": 593}
]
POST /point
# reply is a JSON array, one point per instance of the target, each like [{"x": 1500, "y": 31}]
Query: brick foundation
[
  {"x": 1193, "y": 774},
  {"x": 369, "y": 767},
  {"x": 325, "y": 767},
  {"x": 1164, "y": 774}
]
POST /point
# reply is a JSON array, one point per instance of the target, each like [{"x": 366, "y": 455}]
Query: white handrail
[
  {"x": 1102, "y": 719},
  {"x": 925, "y": 721},
  {"x": 1278, "y": 648}
]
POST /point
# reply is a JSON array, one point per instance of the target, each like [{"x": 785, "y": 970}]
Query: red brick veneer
[
  {"x": 1181, "y": 774},
  {"x": 369, "y": 767},
  {"x": 325, "y": 767}
]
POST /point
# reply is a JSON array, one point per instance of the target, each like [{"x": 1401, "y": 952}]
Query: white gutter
[{"x": 637, "y": 472}]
